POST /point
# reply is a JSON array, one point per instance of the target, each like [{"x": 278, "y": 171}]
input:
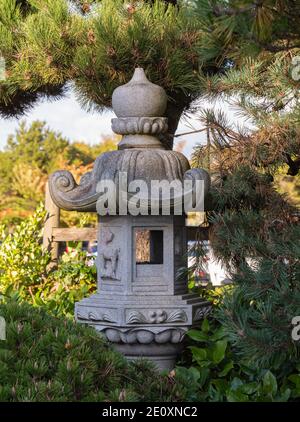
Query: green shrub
[
  {"x": 73, "y": 279},
  {"x": 22, "y": 262},
  {"x": 219, "y": 374},
  {"x": 24, "y": 273},
  {"x": 50, "y": 359}
]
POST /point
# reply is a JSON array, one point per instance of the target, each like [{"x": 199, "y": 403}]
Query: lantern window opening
[{"x": 149, "y": 246}]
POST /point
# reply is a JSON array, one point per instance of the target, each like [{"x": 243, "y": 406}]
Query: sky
[{"x": 67, "y": 117}]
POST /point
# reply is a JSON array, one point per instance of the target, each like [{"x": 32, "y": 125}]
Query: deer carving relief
[{"x": 108, "y": 256}]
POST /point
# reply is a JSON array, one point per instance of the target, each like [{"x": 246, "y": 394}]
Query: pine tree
[
  {"x": 48, "y": 359},
  {"x": 95, "y": 46},
  {"x": 254, "y": 230}
]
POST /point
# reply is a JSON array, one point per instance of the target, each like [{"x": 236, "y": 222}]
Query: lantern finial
[{"x": 140, "y": 106}]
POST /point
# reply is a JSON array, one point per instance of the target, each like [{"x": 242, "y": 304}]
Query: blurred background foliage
[{"x": 29, "y": 157}]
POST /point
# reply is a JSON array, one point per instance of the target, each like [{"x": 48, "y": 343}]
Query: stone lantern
[{"x": 141, "y": 306}]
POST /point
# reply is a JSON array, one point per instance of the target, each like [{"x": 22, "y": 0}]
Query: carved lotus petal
[
  {"x": 145, "y": 337},
  {"x": 129, "y": 337},
  {"x": 163, "y": 337},
  {"x": 155, "y": 127},
  {"x": 177, "y": 336},
  {"x": 113, "y": 335},
  {"x": 147, "y": 127}
]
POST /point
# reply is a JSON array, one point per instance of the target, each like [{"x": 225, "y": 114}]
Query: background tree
[
  {"x": 31, "y": 154},
  {"x": 254, "y": 230},
  {"x": 52, "y": 44},
  {"x": 96, "y": 45}
]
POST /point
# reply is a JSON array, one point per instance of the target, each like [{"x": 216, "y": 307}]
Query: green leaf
[
  {"x": 205, "y": 327},
  {"x": 226, "y": 369},
  {"x": 218, "y": 334},
  {"x": 236, "y": 383},
  {"x": 219, "y": 350},
  {"x": 221, "y": 385},
  {"x": 194, "y": 374},
  {"x": 199, "y": 354},
  {"x": 285, "y": 395},
  {"x": 197, "y": 335},
  {"x": 249, "y": 388},
  {"x": 189, "y": 375},
  {"x": 204, "y": 373},
  {"x": 191, "y": 284},
  {"x": 236, "y": 396},
  {"x": 295, "y": 378},
  {"x": 269, "y": 383}
]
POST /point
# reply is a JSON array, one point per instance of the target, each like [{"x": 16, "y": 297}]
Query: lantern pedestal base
[
  {"x": 163, "y": 356},
  {"x": 149, "y": 327}
]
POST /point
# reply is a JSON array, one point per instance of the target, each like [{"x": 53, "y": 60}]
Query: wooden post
[{"x": 53, "y": 220}]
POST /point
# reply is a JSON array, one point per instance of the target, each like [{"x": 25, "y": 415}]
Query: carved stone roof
[
  {"x": 146, "y": 165},
  {"x": 140, "y": 107}
]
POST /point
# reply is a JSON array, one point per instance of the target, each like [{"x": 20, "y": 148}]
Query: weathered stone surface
[
  {"x": 142, "y": 306},
  {"x": 139, "y": 98},
  {"x": 145, "y": 304},
  {"x": 140, "y": 125},
  {"x": 141, "y": 155},
  {"x": 143, "y": 164}
]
